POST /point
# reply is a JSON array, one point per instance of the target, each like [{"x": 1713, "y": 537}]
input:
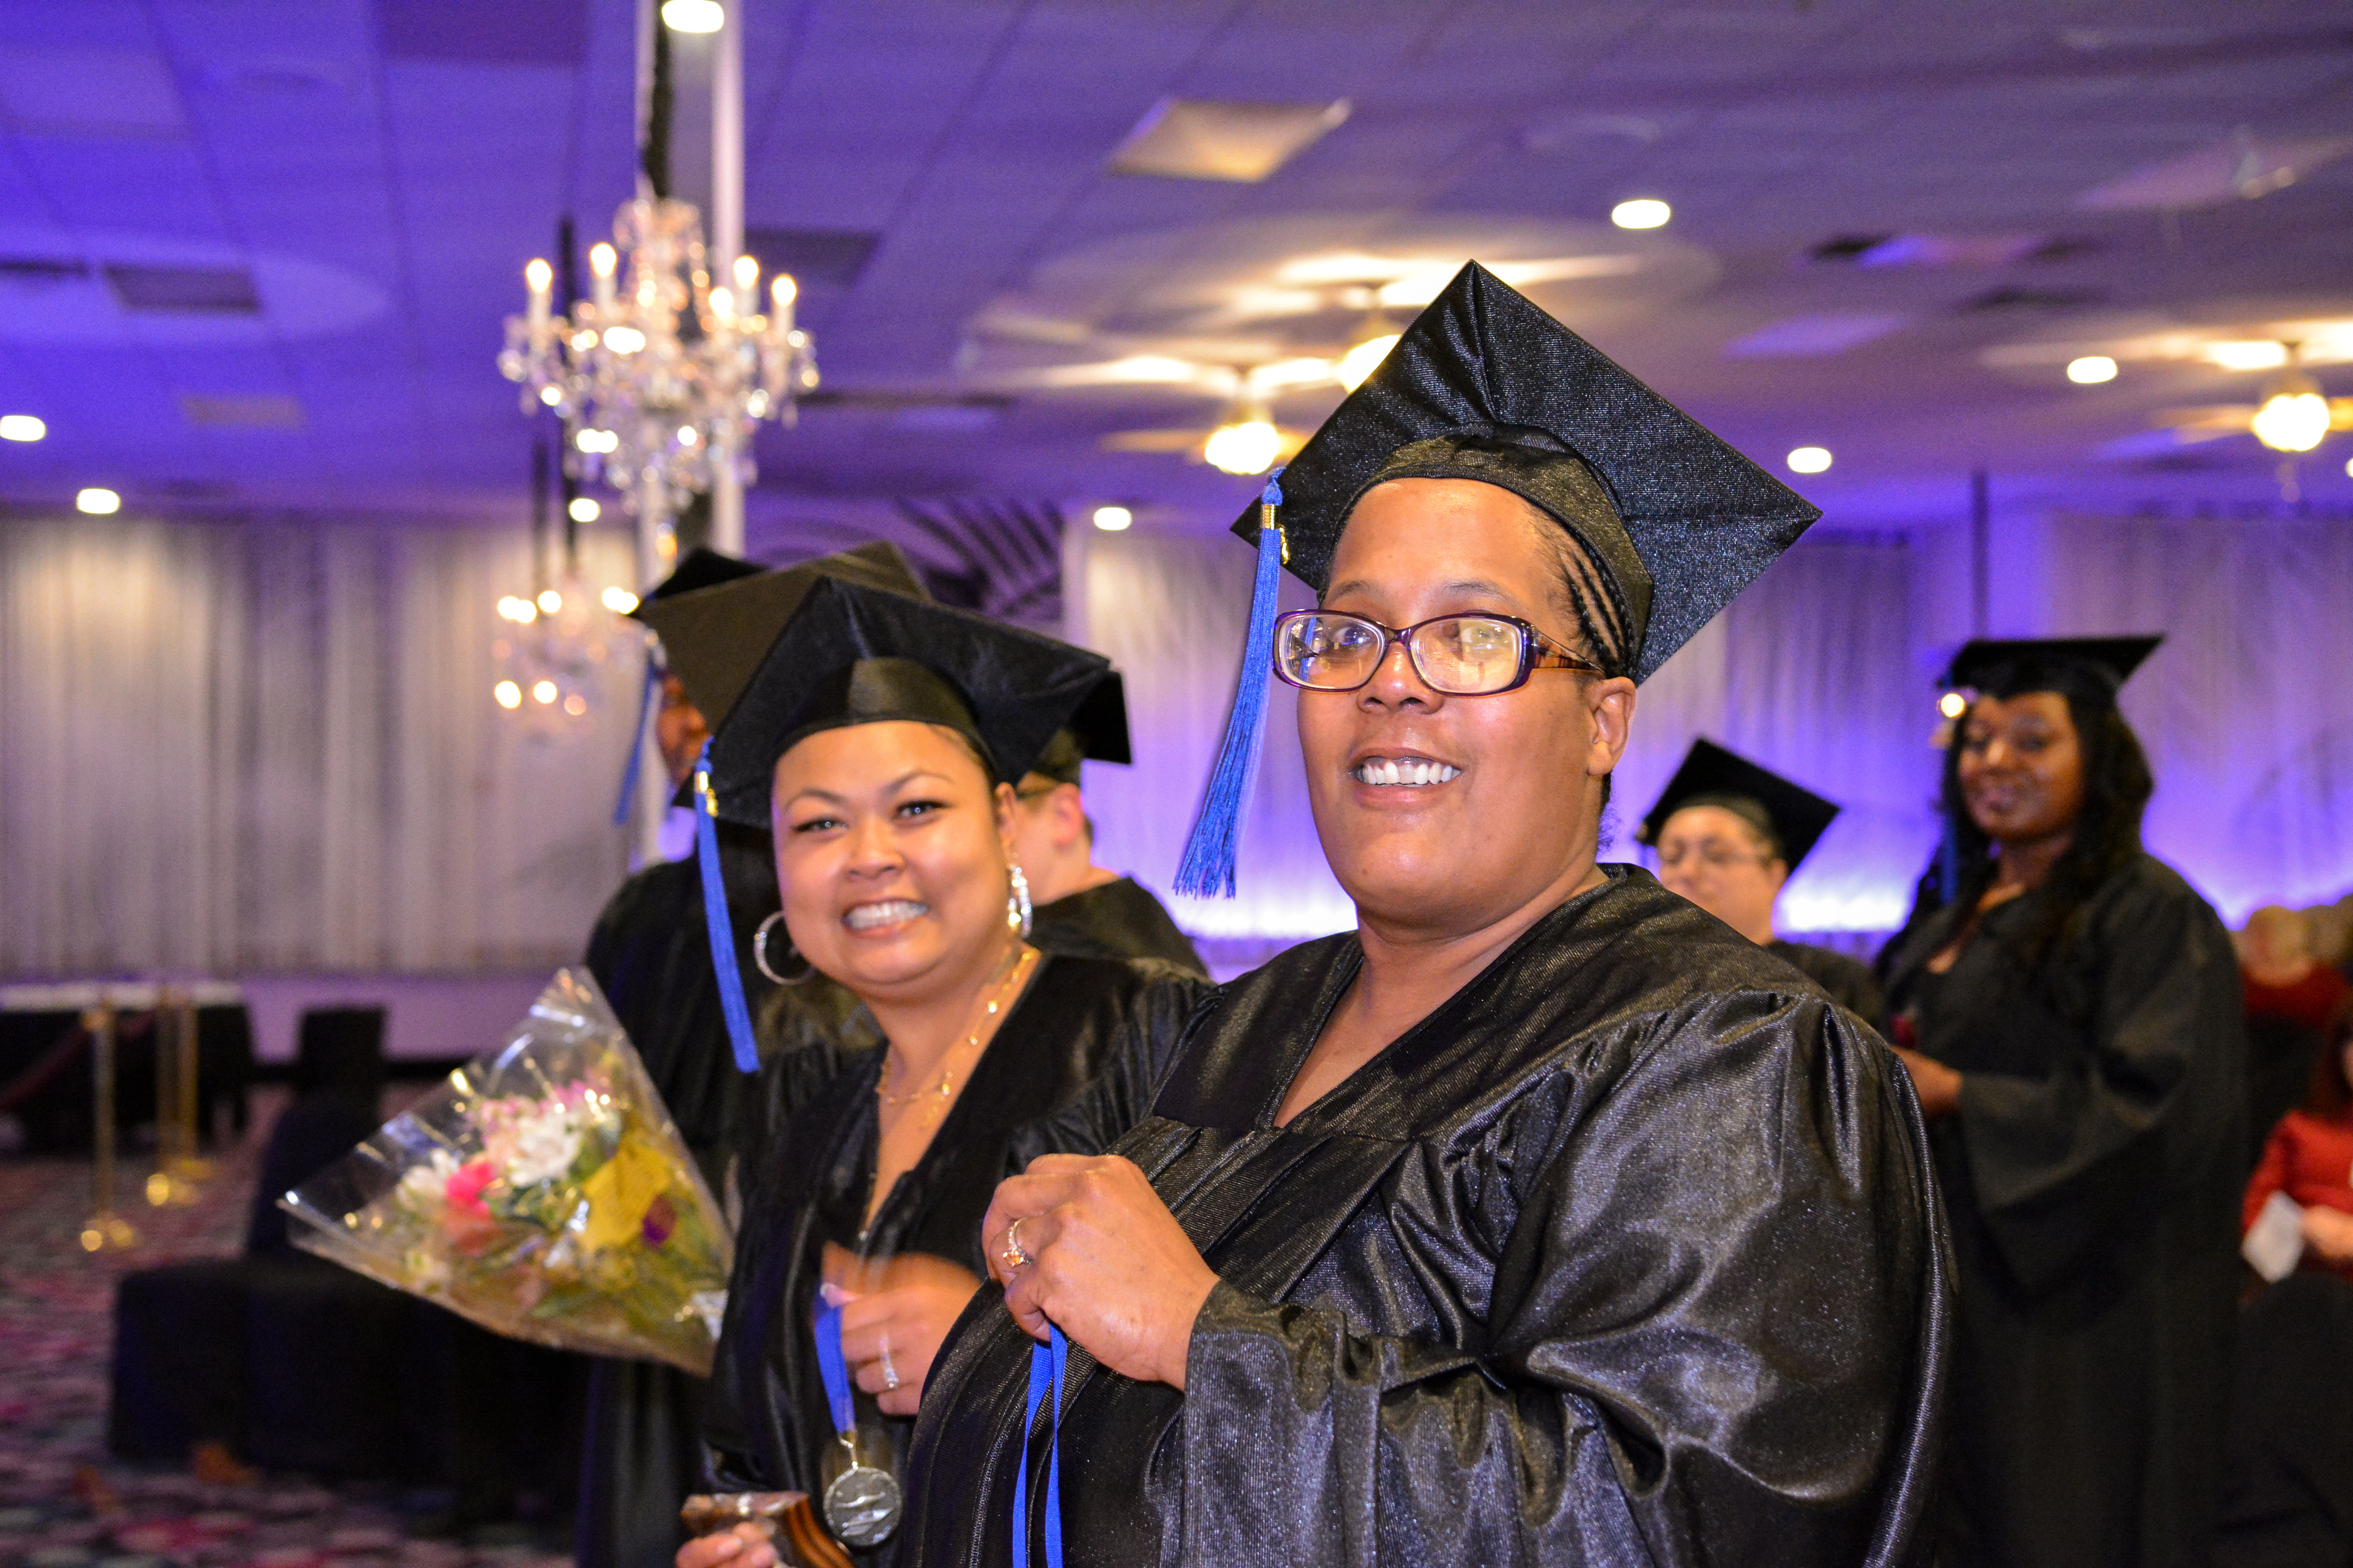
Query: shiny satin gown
[
  {"x": 1071, "y": 1068},
  {"x": 1627, "y": 1254}
]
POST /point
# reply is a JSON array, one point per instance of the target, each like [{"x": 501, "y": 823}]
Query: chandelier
[{"x": 661, "y": 375}]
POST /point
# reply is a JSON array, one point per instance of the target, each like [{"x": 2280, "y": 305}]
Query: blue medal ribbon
[
  {"x": 1046, "y": 1365},
  {"x": 835, "y": 1371},
  {"x": 715, "y": 915}
]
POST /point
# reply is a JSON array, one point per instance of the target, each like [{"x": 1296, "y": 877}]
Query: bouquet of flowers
[{"x": 541, "y": 1192}]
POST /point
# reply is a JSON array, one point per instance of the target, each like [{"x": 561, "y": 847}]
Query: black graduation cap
[
  {"x": 701, "y": 567},
  {"x": 1485, "y": 385},
  {"x": 2004, "y": 667},
  {"x": 1711, "y": 776},
  {"x": 715, "y": 637},
  {"x": 854, "y": 654},
  {"x": 1101, "y": 722}
]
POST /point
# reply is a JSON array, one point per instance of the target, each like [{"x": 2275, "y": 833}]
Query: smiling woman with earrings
[{"x": 880, "y": 736}]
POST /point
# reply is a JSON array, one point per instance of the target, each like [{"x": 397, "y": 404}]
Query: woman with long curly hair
[{"x": 2068, "y": 1007}]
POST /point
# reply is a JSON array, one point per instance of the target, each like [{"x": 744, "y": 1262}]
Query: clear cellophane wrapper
[{"x": 540, "y": 1191}]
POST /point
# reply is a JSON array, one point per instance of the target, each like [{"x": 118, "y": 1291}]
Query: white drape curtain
[
  {"x": 2247, "y": 710},
  {"x": 252, "y": 748}
]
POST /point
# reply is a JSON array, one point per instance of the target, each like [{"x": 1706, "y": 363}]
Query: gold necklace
[{"x": 945, "y": 1084}]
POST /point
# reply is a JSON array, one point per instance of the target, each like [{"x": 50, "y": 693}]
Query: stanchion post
[{"x": 105, "y": 1230}]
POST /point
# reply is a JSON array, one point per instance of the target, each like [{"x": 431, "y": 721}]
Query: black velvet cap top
[
  {"x": 857, "y": 655},
  {"x": 701, "y": 567},
  {"x": 2005, "y": 667},
  {"x": 715, "y": 637},
  {"x": 1711, "y": 776},
  {"x": 1101, "y": 722},
  {"x": 1486, "y": 386}
]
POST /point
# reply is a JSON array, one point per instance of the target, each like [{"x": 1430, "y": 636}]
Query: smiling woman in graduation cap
[
  {"x": 2070, "y": 1007},
  {"x": 1728, "y": 833},
  {"x": 880, "y": 735},
  {"x": 1541, "y": 1219}
]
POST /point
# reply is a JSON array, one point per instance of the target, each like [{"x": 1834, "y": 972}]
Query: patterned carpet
[{"x": 66, "y": 1503}]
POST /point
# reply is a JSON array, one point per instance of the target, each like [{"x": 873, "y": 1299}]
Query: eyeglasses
[{"x": 1461, "y": 655}]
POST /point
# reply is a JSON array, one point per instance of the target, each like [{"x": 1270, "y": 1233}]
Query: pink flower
[{"x": 464, "y": 1191}]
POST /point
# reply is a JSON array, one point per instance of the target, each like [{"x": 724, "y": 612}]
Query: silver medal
[{"x": 862, "y": 1504}]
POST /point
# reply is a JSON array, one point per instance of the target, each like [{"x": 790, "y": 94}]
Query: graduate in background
[
  {"x": 2069, "y": 1008},
  {"x": 651, "y": 955},
  {"x": 1541, "y": 1219},
  {"x": 1083, "y": 909},
  {"x": 1728, "y": 834}
]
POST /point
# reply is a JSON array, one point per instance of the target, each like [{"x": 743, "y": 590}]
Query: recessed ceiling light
[
  {"x": 98, "y": 502},
  {"x": 1113, "y": 518},
  {"x": 1810, "y": 460},
  {"x": 584, "y": 509},
  {"x": 2091, "y": 370},
  {"x": 1245, "y": 446},
  {"x": 1214, "y": 139},
  {"x": 21, "y": 428},
  {"x": 694, "y": 15},
  {"x": 2260, "y": 354},
  {"x": 1642, "y": 212}
]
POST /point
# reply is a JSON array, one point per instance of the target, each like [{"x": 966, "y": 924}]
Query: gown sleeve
[
  {"x": 2065, "y": 1162},
  {"x": 1712, "y": 1339}
]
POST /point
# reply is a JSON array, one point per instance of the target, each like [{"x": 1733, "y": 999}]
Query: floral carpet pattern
[{"x": 66, "y": 1503}]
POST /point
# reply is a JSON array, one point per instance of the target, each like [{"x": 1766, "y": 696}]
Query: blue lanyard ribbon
[
  {"x": 723, "y": 962},
  {"x": 835, "y": 1371},
  {"x": 1046, "y": 1364},
  {"x": 621, "y": 808}
]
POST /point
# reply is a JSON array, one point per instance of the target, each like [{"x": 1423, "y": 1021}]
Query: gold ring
[{"x": 1013, "y": 1257}]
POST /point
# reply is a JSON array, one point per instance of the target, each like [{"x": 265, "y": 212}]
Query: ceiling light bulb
[
  {"x": 576, "y": 705},
  {"x": 2293, "y": 417},
  {"x": 21, "y": 428},
  {"x": 542, "y": 691},
  {"x": 1113, "y": 518},
  {"x": 1359, "y": 361},
  {"x": 509, "y": 694},
  {"x": 747, "y": 275},
  {"x": 624, "y": 340},
  {"x": 550, "y": 601},
  {"x": 1952, "y": 704},
  {"x": 1642, "y": 212},
  {"x": 722, "y": 304},
  {"x": 594, "y": 441},
  {"x": 2091, "y": 370},
  {"x": 602, "y": 259},
  {"x": 620, "y": 601},
  {"x": 1810, "y": 460},
  {"x": 785, "y": 290},
  {"x": 694, "y": 15},
  {"x": 551, "y": 395},
  {"x": 538, "y": 275},
  {"x": 1249, "y": 447},
  {"x": 584, "y": 509},
  {"x": 97, "y": 502},
  {"x": 2257, "y": 355}
]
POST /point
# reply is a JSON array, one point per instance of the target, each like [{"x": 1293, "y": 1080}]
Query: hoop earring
[
  {"x": 760, "y": 954},
  {"x": 1018, "y": 914}
]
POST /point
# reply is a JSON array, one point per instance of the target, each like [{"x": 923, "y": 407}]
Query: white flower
[{"x": 425, "y": 1187}]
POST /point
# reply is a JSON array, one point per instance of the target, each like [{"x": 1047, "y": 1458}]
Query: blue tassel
[
  {"x": 637, "y": 746},
  {"x": 1207, "y": 868},
  {"x": 715, "y": 915}
]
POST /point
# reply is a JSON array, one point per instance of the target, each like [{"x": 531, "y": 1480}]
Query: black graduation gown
[
  {"x": 1849, "y": 981},
  {"x": 2092, "y": 1176},
  {"x": 1117, "y": 919},
  {"x": 1629, "y": 1253},
  {"x": 651, "y": 955},
  {"x": 1073, "y": 1067}
]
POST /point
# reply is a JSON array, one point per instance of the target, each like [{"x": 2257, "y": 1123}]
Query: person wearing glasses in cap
[
  {"x": 1541, "y": 1219},
  {"x": 651, "y": 955},
  {"x": 882, "y": 736},
  {"x": 1084, "y": 909},
  {"x": 1728, "y": 834},
  {"x": 2070, "y": 1008}
]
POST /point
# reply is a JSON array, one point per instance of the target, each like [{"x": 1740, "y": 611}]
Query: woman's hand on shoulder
[
  {"x": 891, "y": 1333},
  {"x": 741, "y": 1546},
  {"x": 2329, "y": 1232},
  {"x": 1099, "y": 1256}
]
